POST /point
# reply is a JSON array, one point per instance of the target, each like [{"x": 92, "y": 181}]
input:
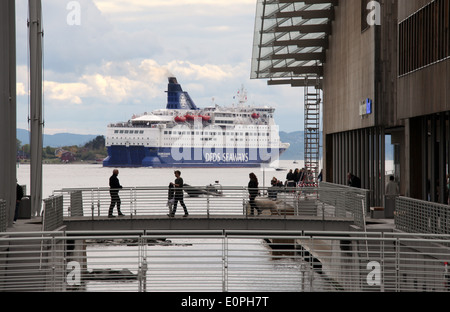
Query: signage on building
[{"x": 366, "y": 107}]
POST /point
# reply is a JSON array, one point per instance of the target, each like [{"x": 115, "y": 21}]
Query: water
[
  {"x": 197, "y": 265},
  {"x": 56, "y": 177}
]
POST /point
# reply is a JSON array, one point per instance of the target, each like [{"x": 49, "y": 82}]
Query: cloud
[
  {"x": 116, "y": 62},
  {"x": 21, "y": 89},
  {"x": 130, "y": 6},
  {"x": 206, "y": 71},
  {"x": 122, "y": 82}
]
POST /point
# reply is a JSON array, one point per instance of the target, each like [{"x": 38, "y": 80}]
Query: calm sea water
[{"x": 56, "y": 177}]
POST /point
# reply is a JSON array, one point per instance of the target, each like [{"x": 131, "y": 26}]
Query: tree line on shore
[{"x": 92, "y": 151}]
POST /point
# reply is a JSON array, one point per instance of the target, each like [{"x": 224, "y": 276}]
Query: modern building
[{"x": 384, "y": 70}]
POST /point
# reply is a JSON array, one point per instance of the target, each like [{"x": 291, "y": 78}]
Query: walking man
[
  {"x": 114, "y": 192},
  {"x": 19, "y": 195},
  {"x": 178, "y": 195}
]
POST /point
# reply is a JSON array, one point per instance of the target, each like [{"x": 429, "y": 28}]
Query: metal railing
[
  {"x": 223, "y": 261},
  {"x": 153, "y": 201},
  {"x": 53, "y": 213},
  {"x": 347, "y": 200},
  {"x": 418, "y": 216}
]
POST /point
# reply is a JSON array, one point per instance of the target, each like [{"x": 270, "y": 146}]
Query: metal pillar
[
  {"x": 8, "y": 108},
  {"x": 36, "y": 119}
]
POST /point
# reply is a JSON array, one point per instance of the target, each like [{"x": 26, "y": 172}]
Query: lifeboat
[
  {"x": 205, "y": 118},
  {"x": 255, "y": 116},
  {"x": 190, "y": 117},
  {"x": 180, "y": 119}
]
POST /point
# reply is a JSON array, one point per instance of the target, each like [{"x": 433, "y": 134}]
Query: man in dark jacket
[
  {"x": 353, "y": 181},
  {"x": 178, "y": 186},
  {"x": 19, "y": 195},
  {"x": 114, "y": 192}
]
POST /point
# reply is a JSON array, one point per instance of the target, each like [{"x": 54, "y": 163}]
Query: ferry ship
[{"x": 183, "y": 135}]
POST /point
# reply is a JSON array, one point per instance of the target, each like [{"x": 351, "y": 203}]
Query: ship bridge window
[{"x": 116, "y": 131}]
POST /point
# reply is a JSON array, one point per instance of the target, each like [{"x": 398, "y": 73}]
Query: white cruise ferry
[{"x": 182, "y": 135}]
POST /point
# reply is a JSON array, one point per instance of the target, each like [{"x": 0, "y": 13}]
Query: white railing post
[
  {"x": 98, "y": 201},
  {"x": 224, "y": 263},
  {"x": 207, "y": 205}
]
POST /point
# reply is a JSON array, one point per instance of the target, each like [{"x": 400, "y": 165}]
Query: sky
[{"x": 106, "y": 60}]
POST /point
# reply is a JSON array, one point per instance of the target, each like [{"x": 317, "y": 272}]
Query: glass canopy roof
[{"x": 290, "y": 39}]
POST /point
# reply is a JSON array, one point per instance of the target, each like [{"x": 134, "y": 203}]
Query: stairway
[{"x": 312, "y": 126}]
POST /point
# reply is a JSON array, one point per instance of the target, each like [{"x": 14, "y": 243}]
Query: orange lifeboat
[
  {"x": 255, "y": 116},
  {"x": 190, "y": 117},
  {"x": 180, "y": 119},
  {"x": 205, "y": 118}
]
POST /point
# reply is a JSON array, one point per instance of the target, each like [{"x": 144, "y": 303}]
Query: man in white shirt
[{"x": 391, "y": 187}]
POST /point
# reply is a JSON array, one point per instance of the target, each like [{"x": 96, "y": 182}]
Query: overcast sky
[{"x": 115, "y": 63}]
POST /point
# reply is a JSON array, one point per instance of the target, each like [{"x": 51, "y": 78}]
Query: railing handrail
[
  {"x": 143, "y": 200},
  {"x": 226, "y": 260},
  {"x": 415, "y": 215}
]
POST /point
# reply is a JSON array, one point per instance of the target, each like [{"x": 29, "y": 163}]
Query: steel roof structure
[{"x": 291, "y": 39}]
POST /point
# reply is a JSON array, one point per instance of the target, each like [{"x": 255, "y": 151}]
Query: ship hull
[{"x": 140, "y": 156}]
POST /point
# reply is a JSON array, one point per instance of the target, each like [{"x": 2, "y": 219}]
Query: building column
[{"x": 8, "y": 107}]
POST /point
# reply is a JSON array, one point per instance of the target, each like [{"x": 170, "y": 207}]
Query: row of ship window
[
  {"x": 215, "y": 133},
  {"x": 129, "y": 131},
  {"x": 168, "y": 145},
  {"x": 192, "y": 133}
]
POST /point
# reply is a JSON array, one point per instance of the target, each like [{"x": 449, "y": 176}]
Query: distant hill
[
  {"x": 297, "y": 148},
  {"x": 57, "y": 140}
]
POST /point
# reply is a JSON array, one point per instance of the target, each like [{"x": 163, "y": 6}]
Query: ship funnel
[{"x": 177, "y": 98}]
